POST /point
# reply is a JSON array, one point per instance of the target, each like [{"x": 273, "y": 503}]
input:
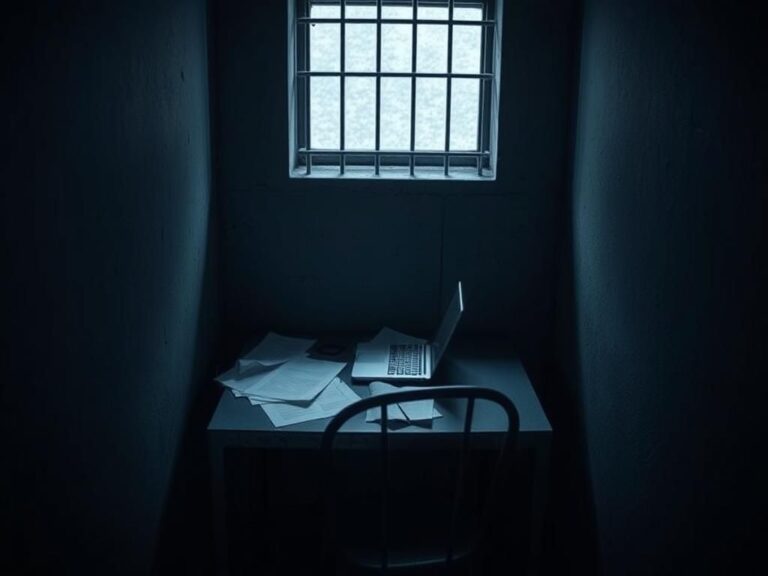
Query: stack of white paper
[
  {"x": 271, "y": 351},
  {"x": 290, "y": 387},
  {"x": 413, "y": 411},
  {"x": 329, "y": 402},
  {"x": 298, "y": 380}
]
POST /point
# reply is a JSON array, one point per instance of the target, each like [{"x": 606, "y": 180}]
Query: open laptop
[{"x": 408, "y": 361}]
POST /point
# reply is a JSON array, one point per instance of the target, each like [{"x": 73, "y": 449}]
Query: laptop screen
[{"x": 447, "y": 326}]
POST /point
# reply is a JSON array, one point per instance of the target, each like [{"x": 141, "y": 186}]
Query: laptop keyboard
[{"x": 406, "y": 360}]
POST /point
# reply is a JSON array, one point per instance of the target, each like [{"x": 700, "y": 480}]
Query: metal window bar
[
  {"x": 307, "y": 20},
  {"x": 377, "y": 158},
  {"x": 326, "y": 153},
  {"x": 294, "y": 54},
  {"x": 436, "y": 153},
  {"x": 481, "y": 103},
  {"x": 484, "y": 76},
  {"x": 448, "y": 89},
  {"x": 307, "y": 94},
  {"x": 480, "y": 76},
  {"x": 414, "y": 36},
  {"x": 343, "y": 80}
]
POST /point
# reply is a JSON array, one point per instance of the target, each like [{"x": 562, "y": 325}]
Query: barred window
[{"x": 394, "y": 88}]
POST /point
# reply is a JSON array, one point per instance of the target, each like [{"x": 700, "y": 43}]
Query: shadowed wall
[
  {"x": 665, "y": 327},
  {"x": 312, "y": 255},
  {"x": 107, "y": 309}
]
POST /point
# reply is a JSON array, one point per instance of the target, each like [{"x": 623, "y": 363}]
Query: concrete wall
[
  {"x": 312, "y": 255},
  {"x": 106, "y": 308},
  {"x": 665, "y": 323}
]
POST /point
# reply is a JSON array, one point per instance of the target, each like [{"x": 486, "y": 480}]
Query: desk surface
[{"x": 486, "y": 363}]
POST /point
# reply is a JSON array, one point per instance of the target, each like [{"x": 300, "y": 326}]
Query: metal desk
[{"x": 484, "y": 363}]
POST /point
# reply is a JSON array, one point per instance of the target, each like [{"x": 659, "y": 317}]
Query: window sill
[{"x": 392, "y": 173}]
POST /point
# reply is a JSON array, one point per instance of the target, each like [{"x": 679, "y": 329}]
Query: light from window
[{"x": 370, "y": 102}]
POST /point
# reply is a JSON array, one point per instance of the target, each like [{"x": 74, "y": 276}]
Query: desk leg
[
  {"x": 218, "y": 485},
  {"x": 539, "y": 498}
]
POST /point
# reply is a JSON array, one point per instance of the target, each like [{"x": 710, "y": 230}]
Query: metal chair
[{"x": 458, "y": 554}]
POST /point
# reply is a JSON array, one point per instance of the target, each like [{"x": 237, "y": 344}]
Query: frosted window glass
[
  {"x": 430, "y": 113},
  {"x": 360, "y": 49},
  {"x": 360, "y": 11},
  {"x": 466, "y": 49},
  {"x": 395, "y": 114},
  {"x": 396, "y": 47},
  {"x": 432, "y": 13},
  {"x": 325, "y": 44},
  {"x": 432, "y": 48},
  {"x": 467, "y": 14},
  {"x": 397, "y": 12},
  {"x": 465, "y": 99},
  {"x": 325, "y": 11},
  {"x": 359, "y": 114},
  {"x": 325, "y": 112},
  {"x": 430, "y": 122}
]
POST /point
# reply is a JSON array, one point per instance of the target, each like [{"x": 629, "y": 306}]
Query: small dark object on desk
[{"x": 328, "y": 349}]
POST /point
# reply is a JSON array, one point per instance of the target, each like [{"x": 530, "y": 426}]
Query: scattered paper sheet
[
  {"x": 231, "y": 379},
  {"x": 274, "y": 349},
  {"x": 389, "y": 336},
  {"x": 299, "y": 379},
  {"x": 407, "y": 411},
  {"x": 393, "y": 413},
  {"x": 227, "y": 377},
  {"x": 330, "y": 401},
  {"x": 254, "y": 400}
]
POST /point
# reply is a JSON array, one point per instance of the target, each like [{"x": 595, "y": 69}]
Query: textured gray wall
[
  {"x": 310, "y": 255},
  {"x": 106, "y": 304},
  {"x": 668, "y": 319}
]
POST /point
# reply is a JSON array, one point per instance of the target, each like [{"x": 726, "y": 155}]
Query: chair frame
[{"x": 382, "y": 401}]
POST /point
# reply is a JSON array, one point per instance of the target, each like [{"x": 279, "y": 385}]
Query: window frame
[{"x": 304, "y": 161}]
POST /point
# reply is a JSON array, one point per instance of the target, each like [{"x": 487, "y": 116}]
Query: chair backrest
[{"x": 508, "y": 442}]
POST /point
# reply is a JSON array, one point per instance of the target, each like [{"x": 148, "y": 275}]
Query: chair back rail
[{"x": 383, "y": 401}]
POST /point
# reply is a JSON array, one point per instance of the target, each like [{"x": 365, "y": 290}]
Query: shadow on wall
[
  {"x": 663, "y": 345},
  {"x": 107, "y": 312},
  {"x": 308, "y": 255}
]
